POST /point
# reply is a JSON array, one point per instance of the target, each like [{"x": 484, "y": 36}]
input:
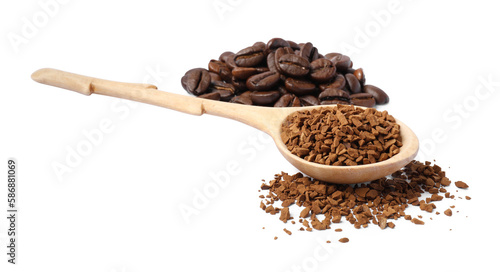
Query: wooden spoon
[{"x": 267, "y": 119}]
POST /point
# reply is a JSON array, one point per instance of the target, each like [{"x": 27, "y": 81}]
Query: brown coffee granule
[
  {"x": 344, "y": 240},
  {"x": 338, "y": 230},
  {"x": 275, "y": 237},
  {"x": 461, "y": 185},
  {"x": 287, "y": 231},
  {"x": 328, "y": 241},
  {"x": 376, "y": 202},
  {"x": 448, "y": 212},
  {"x": 342, "y": 135},
  {"x": 467, "y": 197}
]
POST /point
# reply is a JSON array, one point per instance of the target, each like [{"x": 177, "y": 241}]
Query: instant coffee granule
[
  {"x": 342, "y": 135},
  {"x": 379, "y": 202}
]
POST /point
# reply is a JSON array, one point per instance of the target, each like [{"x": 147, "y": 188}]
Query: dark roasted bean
[
  {"x": 243, "y": 98},
  {"x": 353, "y": 83},
  {"x": 220, "y": 85},
  {"x": 220, "y": 68},
  {"x": 259, "y": 46},
  {"x": 284, "y": 100},
  {"x": 293, "y": 65},
  {"x": 334, "y": 101},
  {"x": 342, "y": 62},
  {"x": 339, "y": 83},
  {"x": 214, "y": 77},
  {"x": 360, "y": 75},
  {"x": 309, "y": 100},
  {"x": 250, "y": 56},
  {"x": 196, "y": 81},
  {"x": 211, "y": 96},
  {"x": 295, "y": 102},
  {"x": 380, "y": 96},
  {"x": 309, "y": 52},
  {"x": 322, "y": 70},
  {"x": 276, "y": 43},
  {"x": 239, "y": 85},
  {"x": 223, "y": 57},
  {"x": 363, "y": 99},
  {"x": 244, "y": 72},
  {"x": 271, "y": 62},
  {"x": 299, "y": 86},
  {"x": 264, "y": 98},
  {"x": 263, "y": 81},
  {"x": 225, "y": 95},
  {"x": 278, "y": 53},
  {"x": 293, "y": 45},
  {"x": 333, "y": 93}
]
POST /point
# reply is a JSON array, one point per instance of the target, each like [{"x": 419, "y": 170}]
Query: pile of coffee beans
[
  {"x": 342, "y": 135},
  {"x": 379, "y": 202},
  {"x": 283, "y": 73}
]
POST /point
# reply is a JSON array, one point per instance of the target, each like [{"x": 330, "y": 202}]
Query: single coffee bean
[
  {"x": 331, "y": 56},
  {"x": 360, "y": 75},
  {"x": 228, "y": 59},
  {"x": 278, "y": 53},
  {"x": 322, "y": 70},
  {"x": 223, "y": 57},
  {"x": 338, "y": 83},
  {"x": 363, "y": 99},
  {"x": 276, "y": 43},
  {"x": 295, "y": 102},
  {"x": 309, "y": 100},
  {"x": 334, "y": 101},
  {"x": 214, "y": 77},
  {"x": 299, "y": 86},
  {"x": 342, "y": 62},
  {"x": 294, "y": 45},
  {"x": 309, "y": 52},
  {"x": 196, "y": 81},
  {"x": 220, "y": 68},
  {"x": 264, "y": 98},
  {"x": 271, "y": 62},
  {"x": 244, "y": 72},
  {"x": 353, "y": 83},
  {"x": 284, "y": 100},
  {"x": 380, "y": 96},
  {"x": 259, "y": 46},
  {"x": 293, "y": 65},
  {"x": 211, "y": 96},
  {"x": 239, "y": 85},
  {"x": 220, "y": 85},
  {"x": 250, "y": 56},
  {"x": 263, "y": 81},
  {"x": 283, "y": 90},
  {"x": 225, "y": 95},
  {"x": 333, "y": 93},
  {"x": 243, "y": 98}
]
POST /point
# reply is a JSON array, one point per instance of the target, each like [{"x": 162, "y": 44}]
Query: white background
[{"x": 118, "y": 207}]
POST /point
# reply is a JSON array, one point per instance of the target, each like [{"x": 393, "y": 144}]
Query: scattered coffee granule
[
  {"x": 342, "y": 136},
  {"x": 448, "y": 212},
  {"x": 467, "y": 197},
  {"x": 287, "y": 231},
  {"x": 461, "y": 185},
  {"x": 275, "y": 237},
  {"x": 378, "y": 202},
  {"x": 328, "y": 241},
  {"x": 338, "y": 230},
  {"x": 344, "y": 240}
]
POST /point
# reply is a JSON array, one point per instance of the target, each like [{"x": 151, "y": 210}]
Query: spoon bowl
[{"x": 266, "y": 119}]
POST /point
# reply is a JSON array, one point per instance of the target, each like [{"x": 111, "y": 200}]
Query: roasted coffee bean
[
  {"x": 353, "y": 83},
  {"x": 239, "y": 84},
  {"x": 219, "y": 67},
  {"x": 244, "y": 72},
  {"x": 264, "y": 98},
  {"x": 331, "y": 56},
  {"x": 339, "y": 83},
  {"x": 282, "y": 90},
  {"x": 220, "y": 85},
  {"x": 196, "y": 81},
  {"x": 309, "y": 52},
  {"x": 225, "y": 95},
  {"x": 228, "y": 59},
  {"x": 342, "y": 62},
  {"x": 293, "y": 65},
  {"x": 276, "y": 43},
  {"x": 259, "y": 46},
  {"x": 333, "y": 93},
  {"x": 380, "y": 96},
  {"x": 211, "y": 96},
  {"x": 271, "y": 62},
  {"x": 322, "y": 70},
  {"x": 263, "y": 81},
  {"x": 214, "y": 77},
  {"x": 294, "y": 45},
  {"x": 299, "y": 86},
  {"x": 250, "y": 56},
  {"x": 360, "y": 75},
  {"x": 284, "y": 100},
  {"x": 243, "y": 98},
  {"x": 278, "y": 54},
  {"x": 363, "y": 99},
  {"x": 334, "y": 101},
  {"x": 309, "y": 100},
  {"x": 223, "y": 57},
  {"x": 295, "y": 102}
]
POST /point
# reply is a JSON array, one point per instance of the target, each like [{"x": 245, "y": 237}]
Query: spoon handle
[{"x": 258, "y": 117}]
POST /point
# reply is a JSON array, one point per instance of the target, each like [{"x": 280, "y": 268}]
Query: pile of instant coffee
[
  {"x": 283, "y": 73},
  {"x": 342, "y": 135}
]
